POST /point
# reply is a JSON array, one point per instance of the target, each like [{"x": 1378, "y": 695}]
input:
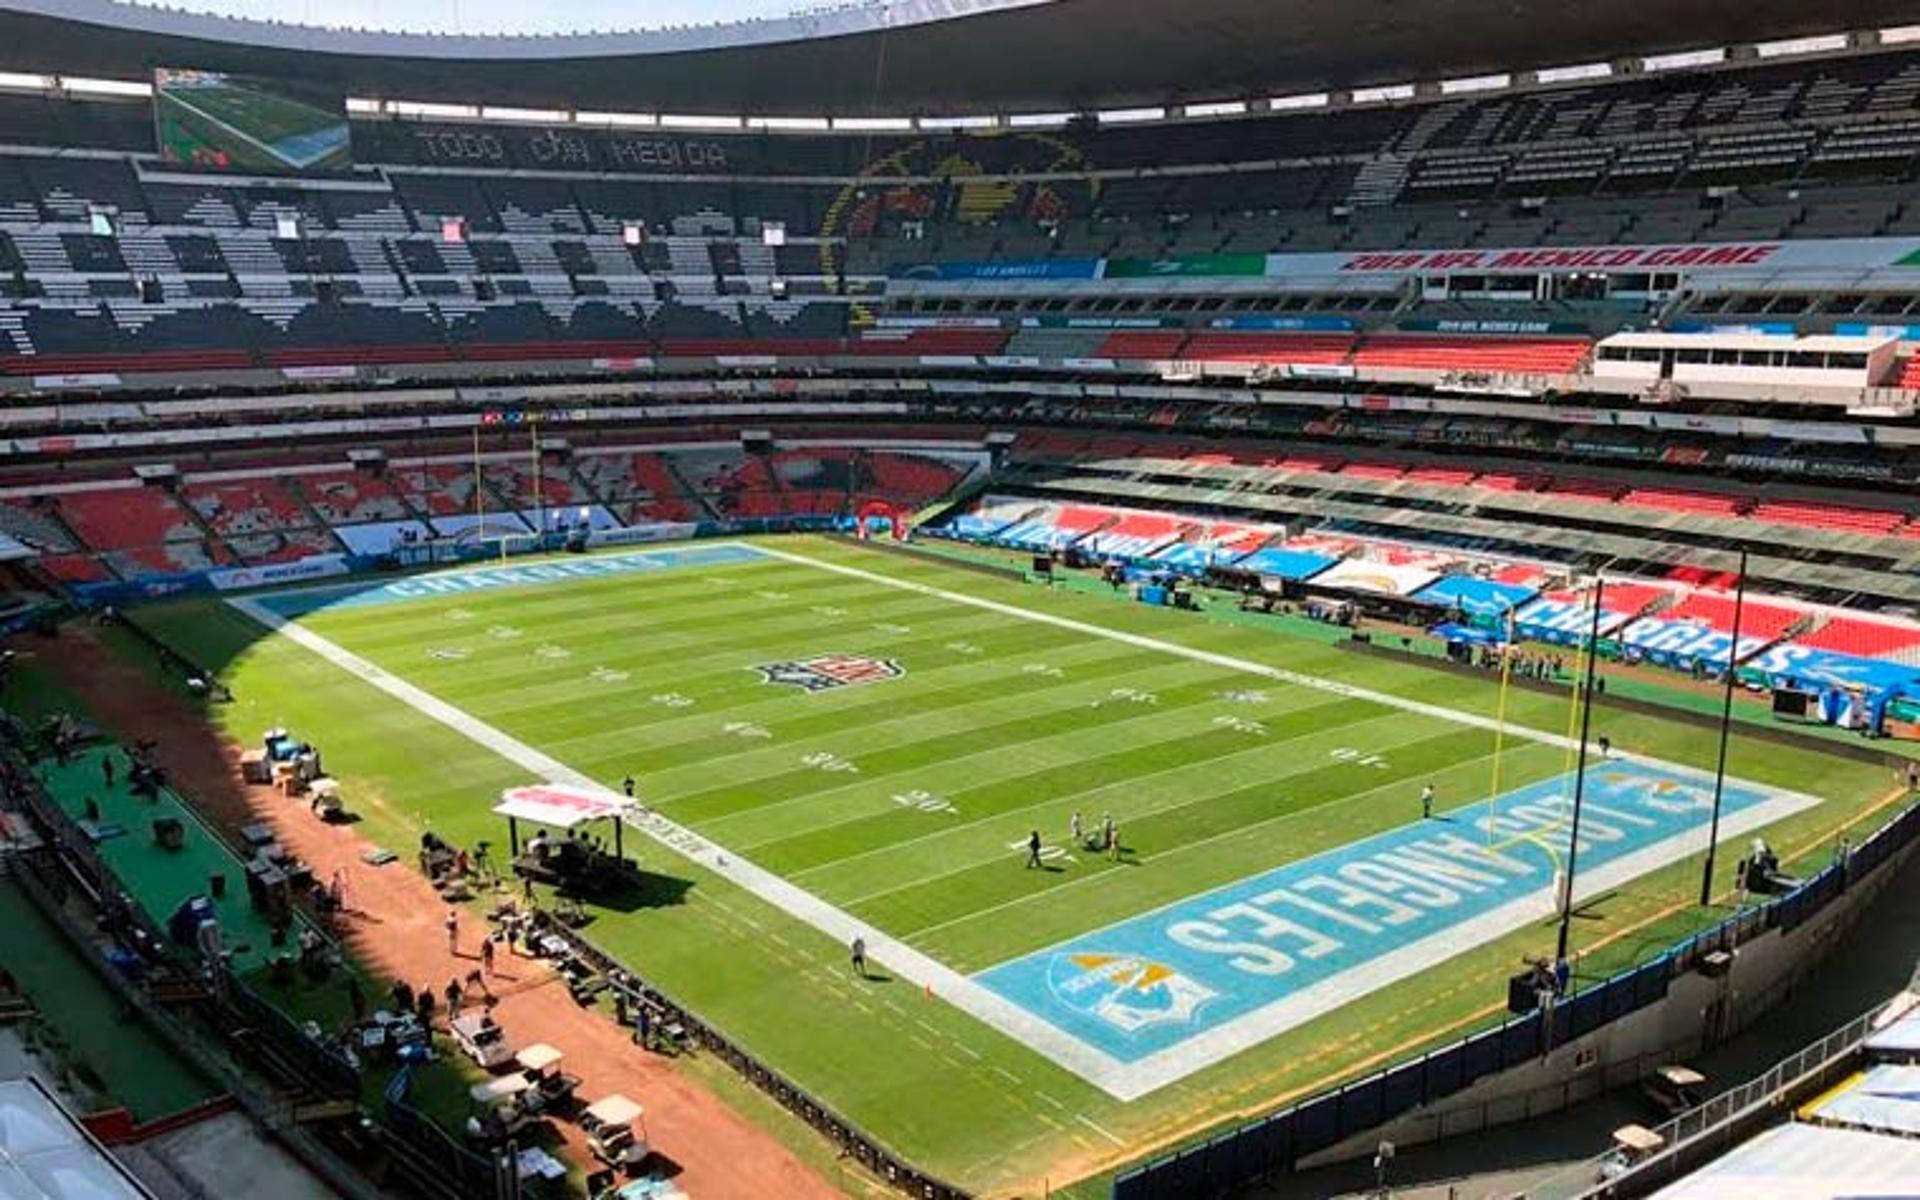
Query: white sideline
[{"x": 1121, "y": 1080}]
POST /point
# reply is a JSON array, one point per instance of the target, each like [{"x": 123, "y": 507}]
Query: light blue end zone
[
  {"x": 1281, "y": 947},
  {"x": 439, "y": 585}
]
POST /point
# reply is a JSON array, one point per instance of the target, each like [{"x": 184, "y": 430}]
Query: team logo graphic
[
  {"x": 1126, "y": 992},
  {"x": 827, "y": 671}
]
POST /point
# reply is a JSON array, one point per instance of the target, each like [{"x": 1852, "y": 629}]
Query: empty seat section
[
  {"x": 1864, "y": 639},
  {"x": 1142, "y": 344},
  {"x": 1519, "y": 356},
  {"x": 1709, "y": 504},
  {"x": 1757, "y": 619},
  {"x": 1839, "y": 518},
  {"x": 125, "y": 517},
  {"x": 246, "y": 506},
  {"x": 1304, "y": 349},
  {"x": 352, "y": 497}
]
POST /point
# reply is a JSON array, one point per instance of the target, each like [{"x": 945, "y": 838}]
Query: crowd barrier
[
  {"x": 853, "y": 1142},
  {"x": 1272, "y": 1145}
]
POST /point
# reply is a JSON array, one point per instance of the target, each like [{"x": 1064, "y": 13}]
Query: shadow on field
[{"x": 648, "y": 889}]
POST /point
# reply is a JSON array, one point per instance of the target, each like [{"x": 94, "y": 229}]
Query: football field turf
[{"x": 836, "y": 740}]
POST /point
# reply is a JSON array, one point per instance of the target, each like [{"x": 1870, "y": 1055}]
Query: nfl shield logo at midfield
[
  {"x": 1126, "y": 991},
  {"x": 825, "y": 671}
]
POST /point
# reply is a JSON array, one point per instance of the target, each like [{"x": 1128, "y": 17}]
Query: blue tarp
[
  {"x": 1286, "y": 564},
  {"x": 1195, "y": 556},
  {"x": 1450, "y": 632},
  {"x": 1475, "y": 597},
  {"x": 1804, "y": 668}
]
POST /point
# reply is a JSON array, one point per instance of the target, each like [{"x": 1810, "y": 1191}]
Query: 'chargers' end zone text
[{"x": 1237, "y": 965}]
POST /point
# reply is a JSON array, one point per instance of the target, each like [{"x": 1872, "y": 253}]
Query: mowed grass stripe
[
  {"x": 729, "y": 676},
  {"x": 1042, "y": 747},
  {"x": 1192, "y": 865},
  {"x": 833, "y": 819},
  {"x": 1130, "y": 780},
  {"x": 1233, "y": 799},
  {"x": 950, "y": 681}
]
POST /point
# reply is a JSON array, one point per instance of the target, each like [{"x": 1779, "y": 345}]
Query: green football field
[{"x": 897, "y": 797}]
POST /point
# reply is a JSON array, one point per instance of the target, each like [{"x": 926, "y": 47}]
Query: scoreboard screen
[{"x": 223, "y": 122}]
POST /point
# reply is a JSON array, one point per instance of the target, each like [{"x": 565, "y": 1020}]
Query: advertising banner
[{"x": 319, "y": 566}]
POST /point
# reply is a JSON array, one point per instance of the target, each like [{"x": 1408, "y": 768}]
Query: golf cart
[
  {"x": 616, "y": 1131},
  {"x": 553, "y": 1089},
  {"x": 1673, "y": 1090},
  {"x": 480, "y": 1039},
  {"x": 501, "y": 1107}
]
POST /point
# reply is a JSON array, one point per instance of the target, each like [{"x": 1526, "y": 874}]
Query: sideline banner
[{"x": 320, "y": 566}]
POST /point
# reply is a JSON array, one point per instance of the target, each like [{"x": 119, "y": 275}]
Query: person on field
[
  {"x": 1113, "y": 839},
  {"x": 858, "y": 954},
  {"x": 1426, "y": 803},
  {"x": 1109, "y": 832},
  {"x": 1077, "y": 830},
  {"x": 1033, "y": 849}
]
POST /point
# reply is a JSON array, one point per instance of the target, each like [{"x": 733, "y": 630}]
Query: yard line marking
[
  {"x": 1007, "y": 1075},
  {"x": 1089, "y": 1123},
  {"x": 1141, "y": 815},
  {"x": 930, "y": 1029},
  {"x": 1130, "y": 782},
  {"x": 1039, "y": 1095},
  {"x": 1246, "y": 665},
  {"x": 1069, "y": 1052},
  {"x": 1182, "y": 848}
]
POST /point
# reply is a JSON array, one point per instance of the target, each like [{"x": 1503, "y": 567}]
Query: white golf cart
[{"x": 616, "y": 1131}]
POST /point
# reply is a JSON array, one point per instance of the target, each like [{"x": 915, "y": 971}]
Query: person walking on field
[
  {"x": 1426, "y": 803},
  {"x": 1033, "y": 849},
  {"x": 1109, "y": 833},
  {"x": 453, "y": 932},
  {"x": 486, "y": 954},
  {"x": 1113, "y": 840},
  {"x": 1078, "y": 832},
  {"x": 859, "y": 956}
]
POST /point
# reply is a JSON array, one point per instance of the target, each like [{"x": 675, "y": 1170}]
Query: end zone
[{"x": 1181, "y": 988}]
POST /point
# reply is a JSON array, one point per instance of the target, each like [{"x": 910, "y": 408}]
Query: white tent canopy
[{"x": 561, "y": 805}]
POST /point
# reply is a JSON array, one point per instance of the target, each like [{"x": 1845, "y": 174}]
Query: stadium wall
[{"x": 1700, "y": 1011}]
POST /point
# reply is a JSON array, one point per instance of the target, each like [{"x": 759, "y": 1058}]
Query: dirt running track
[{"x": 395, "y": 926}]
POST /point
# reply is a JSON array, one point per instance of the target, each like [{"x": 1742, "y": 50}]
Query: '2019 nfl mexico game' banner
[
  {"x": 1200, "y": 979},
  {"x": 1754, "y": 258}
]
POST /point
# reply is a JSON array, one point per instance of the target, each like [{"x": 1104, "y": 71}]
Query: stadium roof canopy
[{"x": 930, "y": 57}]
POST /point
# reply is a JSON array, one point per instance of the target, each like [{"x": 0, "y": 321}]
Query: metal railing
[{"x": 1707, "y": 1130}]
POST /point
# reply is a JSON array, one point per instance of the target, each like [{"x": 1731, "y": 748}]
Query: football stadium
[{"x": 960, "y": 598}]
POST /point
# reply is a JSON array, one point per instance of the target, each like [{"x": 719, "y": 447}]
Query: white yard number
[
  {"x": 924, "y": 802},
  {"x": 671, "y": 700},
  {"x": 833, "y": 763},
  {"x": 553, "y": 653},
  {"x": 1047, "y": 669},
  {"x": 1241, "y": 725},
  {"x": 1134, "y": 696},
  {"x": 1244, "y": 697},
  {"x": 890, "y": 627},
  {"x": 1359, "y": 758},
  {"x": 505, "y": 633},
  {"x": 607, "y": 675},
  {"x": 963, "y": 648},
  {"x": 745, "y": 729},
  {"x": 1047, "y": 853}
]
